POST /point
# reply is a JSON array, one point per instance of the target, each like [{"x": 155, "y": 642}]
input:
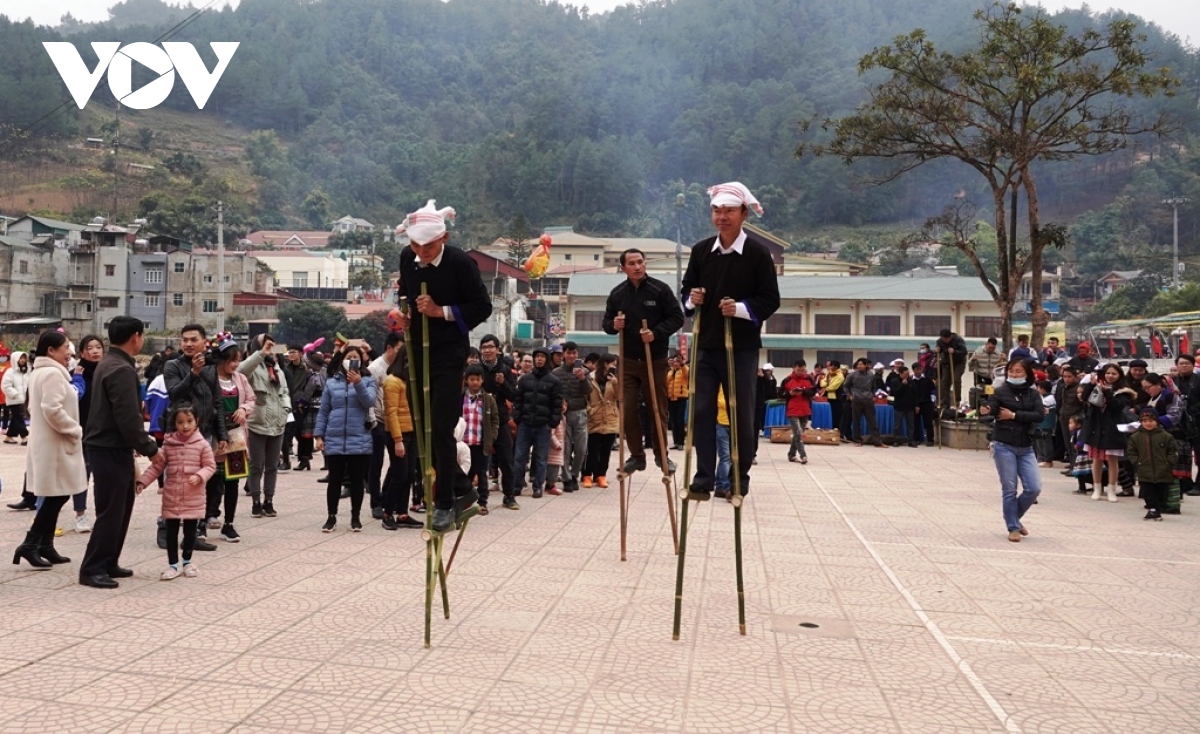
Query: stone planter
[{"x": 960, "y": 435}]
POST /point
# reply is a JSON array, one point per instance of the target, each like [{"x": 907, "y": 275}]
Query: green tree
[
  {"x": 316, "y": 208},
  {"x": 367, "y": 279},
  {"x": 1134, "y": 299},
  {"x": 517, "y": 239},
  {"x": 303, "y": 321},
  {"x": 1185, "y": 298},
  {"x": 1030, "y": 91},
  {"x": 372, "y": 327}
]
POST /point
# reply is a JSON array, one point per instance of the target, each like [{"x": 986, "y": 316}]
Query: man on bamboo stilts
[
  {"x": 456, "y": 302},
  {"x": 729, "y": 275},
  {"x": 642, "y": 298}
]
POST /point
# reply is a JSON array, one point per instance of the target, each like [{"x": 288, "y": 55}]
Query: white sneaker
[
  {"x": 214, "y": 523},
  {"x": 170, "y": 573},
  {"x": 82, "y": 525}
]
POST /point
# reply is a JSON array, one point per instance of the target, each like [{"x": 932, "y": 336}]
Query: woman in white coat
[{"x": 54, "y": 466}]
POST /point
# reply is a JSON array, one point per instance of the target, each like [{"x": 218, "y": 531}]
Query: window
[
  {"x": 110, "y": 270},
  {"x": 179, "y": 267},
  {"x": 226, "y": 278},
  {"x": 110, "y": 302},
  {"x": 177, "y": 299},
  {"x": 844, "y": 358},
  {"x": 208, "y": 279},
  {"x": 883, "y": 325},
  {"x": 24, "y": 268},
  {"x": 832, "y": 323},
  {"x": 931, "y": 325},
  {"x": 595, "y": 258},
  {"x": 154, "y": 275},
  {"x": 568, "y": 256},
  {"x": 785, "y": 323},
  {"x": 589, "y": 320},
  {"x": 210, "y": 306},
  {"x": 981, "y": 327},
  {"x": 299, "y": 280},
  {"x": 782, "y": 360},
  {"x": 152, "y": 300}
]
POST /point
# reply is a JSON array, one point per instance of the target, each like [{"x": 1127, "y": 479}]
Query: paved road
[{"x": 929, "y": 620}]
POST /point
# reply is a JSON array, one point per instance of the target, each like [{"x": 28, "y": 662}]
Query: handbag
[
  {"x": 1081, "y": 465},
  {"x": 1096, "y": 398}
]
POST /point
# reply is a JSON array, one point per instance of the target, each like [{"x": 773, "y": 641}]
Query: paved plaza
[{"x": 927, "y": 619}]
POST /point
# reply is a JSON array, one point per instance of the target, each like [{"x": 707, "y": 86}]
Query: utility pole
[
  {"x": 680, "y": 200},
  {"x": 220, "y": 266},
  {"x": 1174, "y": 202}
]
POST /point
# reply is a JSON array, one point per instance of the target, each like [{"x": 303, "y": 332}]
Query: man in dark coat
[
  {"x": 456, "y": 301},
  {"x": 952, "y": 357},
  {"x": 537, "y": 409},
  {"x": 730, "y": 279}
]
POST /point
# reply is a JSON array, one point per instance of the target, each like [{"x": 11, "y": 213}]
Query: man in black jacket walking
[
  {"x": 729, "y": 276},
  {"x": 456, "y": 301},
  {"x": 537, "y": 409},
  {"x": 499, "y": 382},
  {"x": 640, "y": 298},
  {"x": 114, "y": 431}
]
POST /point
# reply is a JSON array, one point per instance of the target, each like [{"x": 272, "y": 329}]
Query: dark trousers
[
  {"x": 218, "y": 488},
  {"x": 16, "y": 422},
  {"x": 760, "y": 418},
  {"x": 379, "y": 447},
  {"x": 926, "y": 418},
  {"x": 445, "y": 397},
  {"x": 114, "y": 470},
  {"x": 290, "y": 433},
  {"x": 46, "y": 518},
  {"x": 343, "y": 467},
  {"x": 399, "y": 479},
  {"x": 711, "y": 373},
  {"x": 189, "y": 539},
  {"x": 599, "y": 452},
  {"x": 304, "y": 448},
  {"x": 634, "y": 382},
  {"x": 906, "y": 426},
  {"x": 677, "y": 411},
  {"x": 1154, "y": 494},
  {"x": 533, "y": 444},
  {"x": 835, "y": 414},
  {"x": 862, "y": 410},
  {"x": 478, "y": 472},
  {"x": 502, "y": 458}
]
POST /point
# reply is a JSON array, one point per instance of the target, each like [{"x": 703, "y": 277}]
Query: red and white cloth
[
  {"x": 427, "y": 223},
  {"x": 472, "y": 413},
  {"x": 734, "y": 193}
]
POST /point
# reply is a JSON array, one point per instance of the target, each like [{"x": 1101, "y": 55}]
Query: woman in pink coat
[{"x": 186, "y": 462}]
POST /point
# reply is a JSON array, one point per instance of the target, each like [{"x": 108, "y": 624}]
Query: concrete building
[
  {"x": 33, "y": 279},
  {"x": 307, "y": 275},
  {"x": 351, "y": 224},
  {"x": 193, "y": 290},
  {"x": 287, "y": 239},
  {"x": 148, "y": 293},
  {"x": 829, "y": 318}
]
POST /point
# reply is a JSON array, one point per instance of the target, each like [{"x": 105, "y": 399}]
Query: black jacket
[
  {"x": 201, "y": 391},
  {"x": 115, "y": 414},
  {"x": 652, "y": 301},
  {"x": 454, "y": 285},
  {"x": 956, "y": 347},
  {"x": 574, "y": 390},
  {"x": 1100, "y": 424},
  {"x": 923, "y": 386},
  {"x": 906, "y": 396},
  {"x": 503, "y": 393},
  {"x": 1066, "y": 397},
  {"x": 296, "y": 376},
  {"x": 539, "y": 399},
  {"x": 748, "y": 278},
  {"x": 1026, "y": 403}
]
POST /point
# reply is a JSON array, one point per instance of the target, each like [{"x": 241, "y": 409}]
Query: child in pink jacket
[
  {"x": 554, "y": 457},
  {"x": 186, "y": 461}
]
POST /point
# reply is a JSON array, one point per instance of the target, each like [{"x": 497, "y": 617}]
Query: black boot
[
  {"x": 162, "y": 535},
  {"x": 46, "y": 550},
  {"x": 303, "y": 465},
  {"x": 28, "y": 502},
  {"x": 285, "y": 464},
  {"x": 29, "y": 551}
]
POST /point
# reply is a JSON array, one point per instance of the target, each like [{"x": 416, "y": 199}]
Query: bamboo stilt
[
  {"x": 687, "y": 476},
  {"x": 731, "y": 399},
  {"x": 663, "y": 461},
  {"x": 622, "y": 478}
]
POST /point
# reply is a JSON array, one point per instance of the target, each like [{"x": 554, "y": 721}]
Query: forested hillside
[{"x": 521, "y": 107}]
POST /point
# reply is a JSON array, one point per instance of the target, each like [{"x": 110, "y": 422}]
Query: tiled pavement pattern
[{"x": 930, "y": 621}]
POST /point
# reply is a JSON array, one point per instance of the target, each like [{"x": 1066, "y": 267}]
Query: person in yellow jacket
[
  {"x": 830, "y": 385},
  {"x": 677, "y": 400},
  {"x": 722, "y": 485},
  {"x": 402, "y": 444}
]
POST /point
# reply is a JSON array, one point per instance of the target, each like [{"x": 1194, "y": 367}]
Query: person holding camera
[
  {"x": 642, "y": 298},
  {"x": 603, "y": 423},
  {"x": 576, "y": 386},
  {"x": 343, "y": 432},
  {"x": 798, "y": 389},
  {"x": 267, "y": 424},
  {"x": 188, "y": 382}
]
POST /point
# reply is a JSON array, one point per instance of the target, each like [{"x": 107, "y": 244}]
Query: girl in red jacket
[{"x": 187, "y": 463}]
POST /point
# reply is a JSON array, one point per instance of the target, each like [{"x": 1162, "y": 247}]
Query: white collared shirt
[
  {"x": 449, "y": 315},
  {"x": 736, "y": 248}
]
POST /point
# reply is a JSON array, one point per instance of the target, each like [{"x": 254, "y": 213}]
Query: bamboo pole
[
  {"x": 731, "y": 399},
  {"x": 622, "y": 478},
  {"x": 687, "y": 475},
  {"x": 664, "y": 462}
]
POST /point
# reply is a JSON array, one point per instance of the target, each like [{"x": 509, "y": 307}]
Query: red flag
[
  {"x": 1184, "y": 346},
  {"x": 1132, "y": 347},
  {"x": 1156, "y": 345},
  {"x": 1112, "y": 349}
]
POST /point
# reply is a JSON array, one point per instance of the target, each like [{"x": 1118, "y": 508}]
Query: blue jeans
[
  {"x": 724, "y": 460},
  {"x": 536, "y": 438},
  {"x": 1012, "y": 463}
]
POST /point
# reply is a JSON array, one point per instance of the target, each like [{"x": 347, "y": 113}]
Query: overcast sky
[{"x": 1181, "y": 17}]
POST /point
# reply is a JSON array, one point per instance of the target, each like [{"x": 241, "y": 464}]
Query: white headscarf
[
  {"x": 734, "y": 193},
  {"x": 427, "y": 223}
]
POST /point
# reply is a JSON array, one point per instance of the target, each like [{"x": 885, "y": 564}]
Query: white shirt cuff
[
  {"x": 742, "y": 312},
  {"x": 448, "y": 313}
]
